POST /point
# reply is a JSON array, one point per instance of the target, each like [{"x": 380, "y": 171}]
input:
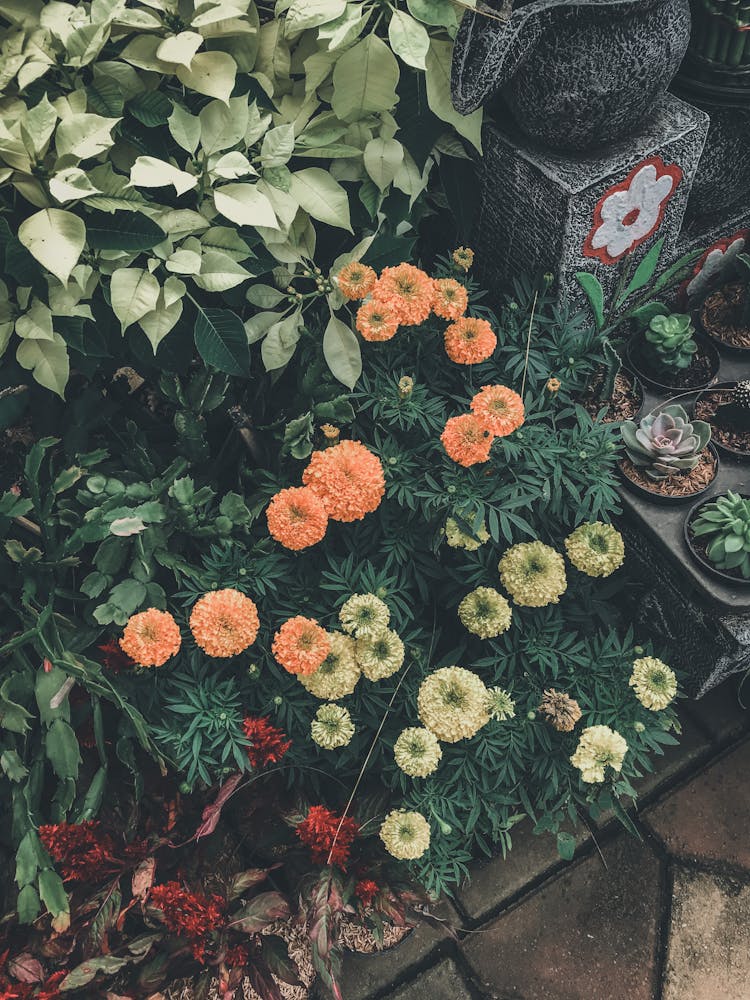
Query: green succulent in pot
[
  {"x": 666, "y": 442},
  {"x": 725, "y": 525},
  {"x": 671, "y": 341}
]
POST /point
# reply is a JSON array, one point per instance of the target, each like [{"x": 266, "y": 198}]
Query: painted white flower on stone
[
  {"x": 717, "y": 263},
  {"x": 630, "y": 212}
]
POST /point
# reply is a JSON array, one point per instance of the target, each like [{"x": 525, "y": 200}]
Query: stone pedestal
[
  {"x": 720, "y": 243},
  {"x": 542, "y": 211}
]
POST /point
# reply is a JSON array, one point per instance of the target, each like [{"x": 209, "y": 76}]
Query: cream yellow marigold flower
[
  {"x": 151, "y": 637},
  {"x": 338, "y": 674},
  {"x": 463, "y": 257},
  {"x": 599, "y": 747},
  {"x": 500, "y": 705},
  {"x": 453, "y": 704},
  {"x": 364, "y": 614},
  {"x": 406, "y": 835},
  {"x": 653, "y": 682},
  {"x": 417, "y": 752},
  {"x": 457, "y": 538},
  {"x": 533, "y": 574},
  {"x": 332, "y": 727},
  {"x": 485, "y": 612},
  {"x": 380, "y": 655},
  {"x": 596, "y": 549},
  {"x": 224, "y": 622}
]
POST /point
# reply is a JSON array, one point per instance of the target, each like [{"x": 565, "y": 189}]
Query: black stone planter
[
  {"x": 660, "y": 498},
  {"x": 742, "y": 352},
  {"x": 724, "y": 449},
  {"x": 575, "y": 74},
  {"x": 699, "y": 557},
  {"x": 635, "y": 350}
]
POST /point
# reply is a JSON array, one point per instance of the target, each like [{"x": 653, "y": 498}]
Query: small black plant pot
[
  {"x": 661, "y": 499},
  {"x": 737, "y": 454},
  {"x": 736, "y": 349},
  {"x": 705, "y": 563},
  {"x": 637, "y": 362}
]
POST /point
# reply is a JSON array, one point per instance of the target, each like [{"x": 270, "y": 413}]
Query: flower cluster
[
  {"x": 151, "y": 637},
  {"x": 332, "y": 727},
  {"x": 417, "y": 752},
  {"x": 596, "y": 549},
  {"x": 654, "y": 683},
  {"x": 485, "y": 612},
  {"x": 83, "y": 851},
  {"x": 189, "y": 915},
  {"x": 224, "y": 623},
  {"x": 406, "y": 835},
  {"x": 328, "y": 836},
  {"x": 457, "y": 538},
  {"x": 533, "y": 574},
  {"x": 562, "y": 711},
  {"x": 338, "y": 674},
  {"x": 496, "y": 411},
  {"x": 301, "y": 645},
  {"x": 599, "y": 747},
  {"x": 453, "y": 704},
  {"x": 268, "y": 744}
]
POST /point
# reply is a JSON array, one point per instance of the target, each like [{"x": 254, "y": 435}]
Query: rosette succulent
[
  {"x": 725, "y": 525},
  {"x": 670, "y": 340},
  {"x": 665, "y": 443}
]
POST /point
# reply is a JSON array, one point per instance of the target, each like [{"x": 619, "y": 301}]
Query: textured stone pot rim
[
  {"x": 704, "y": 563},
  {"x": 739, "y": 456},
  {"x": 665, "y": 501},
  {"x": 469, "y": 99}
]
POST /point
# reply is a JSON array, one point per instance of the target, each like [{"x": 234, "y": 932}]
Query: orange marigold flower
[
  {"x": 224, "y": 622},
  {"x": 376, "y": 321},
  {"x": 469, "y": 341},
  {"x": 348, "y": 479},
  {"x": 466, "y": 440},
  {"x": 498, "y": 409},
  {"x": 356, "y": 280},
  {"x": 297, "y": 517},
  {"x": 301, "y": 645},
  {"x": 408, "y": 291},
  {"x": 451, "y": 298},
  {"x": 151, "y": 637}
]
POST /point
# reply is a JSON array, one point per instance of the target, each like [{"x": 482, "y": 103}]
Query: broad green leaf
[
  {"x": 365, "y": 80},
  {"x": 594, "y": 293},
  {"x": 231, "y": 166},
  {"x": 62, "y": 749},
  {"x": 303, "y": 14},
  {"x": 36, "y": 323},
  {"x": 28, "y": 906},
  {"x": 382, "y": 158},
  {"x": 55, "y": 238},
  {"x": 342, "y": 352},
  {"x": 345, "y": 29},
  {"x": 152, "y": 108},
  {"x": 12, "y": 766},
  {"x": 134, "y": 292},
  {"x": 566, "y": 845},
  {"x": 54, "y": 897},
  {"x": 180, "y": 48},
  {"x": 245, "y": 205},
  {"x": 258, "y": 326},
  {"x": 164, "y": 317},
  {"x": 264, "y": 296},
  {"x": 438, "y": 79},
  {"x": 184, "y": 261},
  {"x": 210, "y": 73},
  {"x": 280, "y": 342},
  {"x": 322, "y": 197},
  {"x": 37, "y": 126},
  {"x": 409, "y": 39},
  {"x": 221, "y": 341},
  {"x": 437, "y": 12},
  {"x": 278, "y": 146},
  {"x": 70, "y": 184},
  {"x": 644, "y": 272},
  {"x": 133, "y": 232},
  {"x": 220, "y": 272},
  {"x": 148, "y": 171},
  {"x": 223, "y": 125},
  {"x": 48, "y": 362},
  {"x": 84, "y": 136},
  {"x": 83, "y": 974},
  {"x": 185, "y": 129}
]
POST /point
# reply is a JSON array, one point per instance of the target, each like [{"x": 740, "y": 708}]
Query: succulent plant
[
  {"x": 670, "y": 340},
  {"x": 725, "y": 524},
  {"x": 736, "y": 412},
  {"x": 665, "y": 443},
  {"x": 742, "y": 264}
]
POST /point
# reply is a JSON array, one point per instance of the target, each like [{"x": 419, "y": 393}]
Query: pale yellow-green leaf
[
  {"x": 184, "y": 262},
  {"x": 126, "y": 77},
  {"x": 141, "y": 52},
  {"x": 219, "y": 272},
  {"x": 12, "y": 149},
  {"x": 303, "y": 14},
  {"x": 48, "y": 362},
  {"x": 138, "y": 19},
  {"x": 345, "y": 29},
  {"x": 408, "y": 178},
  {"x": 230, "y": 166},
  {"x": 382, "y": 159},
  {"x": 84, "y": 135},
  {"x": 322, "y": 197},
  {"x": 179, "y": 222},
  {"x": 438, "y": 80},
  {"x": 264, "y": 296},
  {"x": 134, "y": 292},
  {"x": 278, "y": 146},
  {"x": 342, "y": 352},
  {"x": 365, "y": 79},
  {"x": 437, "y": 12},
  {"x": 356, "y": 253},
  {"x": 223, "y": 125},
  {"x": 36, "y": 324},
  {"x": 148, "y": 171},
  {"x": 258, "y": 326},
  {"x": 245, "y": 205},
  {"x": 280, "y": 342},
  {"x": 158, "y": 323},
  {"x": 31, "y": 189},
  {"x": 227, "y": 239},
  {"x": 210, "y": 73},
  {"x": 409, "y": 39},
  {"x": 37, "y": 126},
  {"x": 71, "y": 183},
  {"x": 184, "y": 128},
  {"x": 55, "y": 238},
  {"x": 180, "y": 48}
]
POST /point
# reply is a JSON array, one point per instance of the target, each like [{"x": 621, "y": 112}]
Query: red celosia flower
[
  {"x": 366, "y": 890},
  {"x": 82, "y": 850},
  {"x": 189, "y": 914},
  {"x": 236, "y": 956},
  {"x": 268, "y": 743},
  {"x": 50, "y": 990},
  {"x": 318, "y": 831},
  {"x": 115, "y": 658}
]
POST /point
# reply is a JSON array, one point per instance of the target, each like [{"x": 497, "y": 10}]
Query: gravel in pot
[
  {"x": 714, "y": 405},
  {"x": 722, "y": 317}
]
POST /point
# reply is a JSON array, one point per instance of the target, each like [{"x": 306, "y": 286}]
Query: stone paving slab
[
  {"x": 720, "y": 712},
  {"x": 709, "y": 818},
  {"x": 443, "y": 982},
  {"x": 708, "y": 956},
  {"x": 694, "y": 746},
  {"x": 591, "y": 934}
]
